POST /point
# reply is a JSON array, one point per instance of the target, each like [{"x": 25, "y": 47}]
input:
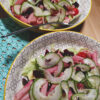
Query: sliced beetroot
[
  {"x": 32, "y": 19},
  {"x": 44, "y": 89},
  {"x": 77, "y": 59},
  {"x": 51, "y": 89},
  {"x": 40, "y": 20},
  {"x": 26, "y": 97},
  {"x": 80, "y": 85},
  {"x": 23, "y": 91},
  {"x": 23, "y": 19},
  {"x": 52, "y": 70},
  {"x": 95, "y": 58},
  {"x": 19, "y": 2},
  {"x": 70, "y": 94}
]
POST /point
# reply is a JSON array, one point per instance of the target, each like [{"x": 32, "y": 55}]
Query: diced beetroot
[
  {"x": 23, "y": 91},
  {"x": 80, "y": 86},
  {"x": 32, "y": 19},
  {"x": 19, "y": 2},
  {"x": 51, "y": 89},
  {"x": 44, "y": 88},
  {"x": 26, "y": 97},
  {"x": 40, "y": 20},
  {"x": 77, "y": 59},
  {"x": 52, "y": 70},
  {"x": 69, "y": 94}
]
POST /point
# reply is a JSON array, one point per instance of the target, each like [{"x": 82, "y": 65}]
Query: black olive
[
  {"x": 27, "y": 12},
  {"x": 49, "y": 86},
  {"x": 76, "y": 4},
  {"x": 46, "y": 52},
  {"x": 72, "y": 90},
  {"x": 25, "y": 80},
  {"x": 38, "y": 74},
  {"x": 63, "y": 93},
  {"x": 65, "y": 7},
  {"x": 67, "y": 53}
]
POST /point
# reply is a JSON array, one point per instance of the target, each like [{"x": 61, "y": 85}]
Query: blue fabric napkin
[{"x": 9, "y": 48}]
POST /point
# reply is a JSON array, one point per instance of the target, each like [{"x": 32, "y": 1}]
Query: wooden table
[{"x": 90, "y": 27}]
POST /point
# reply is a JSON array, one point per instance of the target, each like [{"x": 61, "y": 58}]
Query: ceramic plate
[
  {"x": 38, "y": 46},
  {"x": 84, "y": 8}
]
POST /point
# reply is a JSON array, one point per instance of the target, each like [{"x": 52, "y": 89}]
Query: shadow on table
[
  {"x": 12, "y": 26},
  {"x": 29, "y": 35}
]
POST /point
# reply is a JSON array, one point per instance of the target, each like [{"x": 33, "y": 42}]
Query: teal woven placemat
[{"x": 9, "y": 48}]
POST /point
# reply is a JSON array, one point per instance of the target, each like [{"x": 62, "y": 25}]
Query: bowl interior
[
  {"x": 38, "y": 46},
  {"x": 84, "y": 8}
]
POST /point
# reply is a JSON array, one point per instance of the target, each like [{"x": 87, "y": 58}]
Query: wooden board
[{"x": 90, "y": 27}]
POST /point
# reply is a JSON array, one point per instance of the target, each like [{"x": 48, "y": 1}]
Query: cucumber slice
[
  {"x": 65, "y": 87},
  {"x": 62, "y": 12},
  {"x": 31, "y": 92},
  {"x": 94, "y": 81},
  {"x": 60, "y": 68},
  {"x": 78, "y": 77},
  {"x": 48, "y": 4},
  {"x": 55, "y": 95},
  {"x": 17, "y": 9},
  {"x": 76, "y": 96},
  {"x": 90, "y": 94},
  {"x": 89, "y": 62},
  {"x": 52, "y": 18},
  {"x": 33, "y": 2},
  {"x": 94, "y": 71},
  {"x": 72, "y": 85},
  {"x": 25, "y": 6},
  {"x": 66, "y": 76},
  {"x": 49, "y": 60},
  {"x": 64, "y": 3},
  {"x": 12, "y": 2},
  {"x": 83, "y": 67},
  {"x": 68, "y": 59},
  {"x": 98, "y": 98},
  {"x": 72, "y": 1},
  {"x": 39, "y": 12}
]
